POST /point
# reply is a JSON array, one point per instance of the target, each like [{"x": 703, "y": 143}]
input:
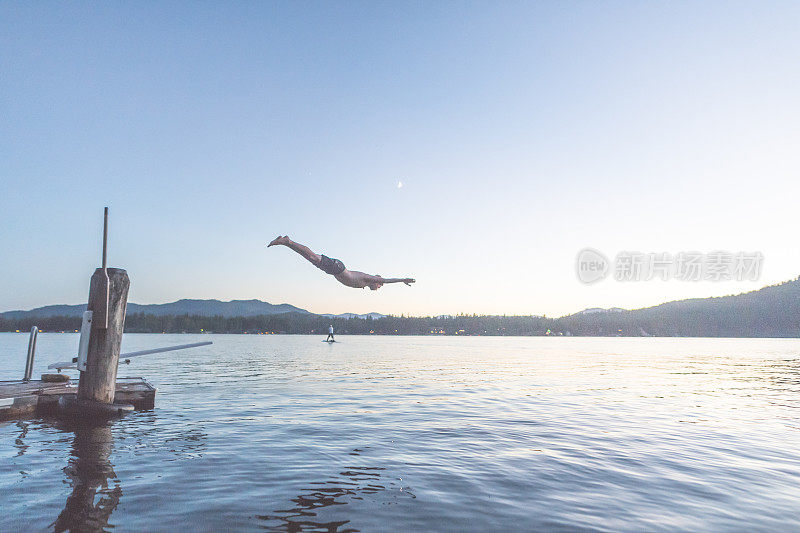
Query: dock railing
[{"x": 31, "y": 354}]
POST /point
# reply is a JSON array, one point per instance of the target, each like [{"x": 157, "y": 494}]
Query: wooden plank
[
  {"x": 10, "y": 389},
  {"x": 18, "y": 407}
]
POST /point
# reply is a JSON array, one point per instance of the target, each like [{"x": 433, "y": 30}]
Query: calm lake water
[{"x": 287, "y": 433}]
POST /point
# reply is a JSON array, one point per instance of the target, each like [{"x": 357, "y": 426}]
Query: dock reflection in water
[{"x": 96, "y": 490}]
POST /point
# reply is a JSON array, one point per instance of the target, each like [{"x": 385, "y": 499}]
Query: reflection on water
[
  {"x": 96, "y": 488},
  {"x": 528, "y": 434},
  {"x": 89, "y": 471},
  {"x": 354, "y": 483},
  {"x": 19, "y": 442}
]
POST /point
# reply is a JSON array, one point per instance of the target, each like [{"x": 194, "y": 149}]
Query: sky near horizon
[{"x": 522, "y": 132}]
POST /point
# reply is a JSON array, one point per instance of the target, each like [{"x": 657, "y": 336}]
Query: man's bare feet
[{"x": 278, "y": 240}]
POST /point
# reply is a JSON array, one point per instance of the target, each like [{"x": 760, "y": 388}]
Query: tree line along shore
[
  {"x": 773, "y": 311},
  {"x": 621, "y": 324}
]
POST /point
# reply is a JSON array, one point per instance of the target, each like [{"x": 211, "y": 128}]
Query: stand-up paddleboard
[{"x": 328, "y": 341}]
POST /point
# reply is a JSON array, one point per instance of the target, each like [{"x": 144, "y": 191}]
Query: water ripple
[{"x": 434, "y": 434}]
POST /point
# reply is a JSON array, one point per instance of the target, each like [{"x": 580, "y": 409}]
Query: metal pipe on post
[
  {"x": 80, "y": 361},
  {"x": 31, "y": 354},
  {"x": 101, "y": 315}
]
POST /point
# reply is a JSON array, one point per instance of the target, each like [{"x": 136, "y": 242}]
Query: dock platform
[{"x": 20, "y": 399}]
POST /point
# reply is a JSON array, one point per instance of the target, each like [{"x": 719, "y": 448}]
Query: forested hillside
[{"x": 773, "y": 311}]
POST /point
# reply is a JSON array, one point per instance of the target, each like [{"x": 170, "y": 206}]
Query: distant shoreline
[
  {"x": 771, "y": 312},
  {"x": 26, "y": 333}
]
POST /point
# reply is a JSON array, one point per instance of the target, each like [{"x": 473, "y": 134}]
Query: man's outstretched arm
[
  {"x": 359, "y": 280},
  {"x": 407, "y": 281}
]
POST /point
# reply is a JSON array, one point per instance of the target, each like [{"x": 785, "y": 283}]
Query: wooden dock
[{"x": 20, "y": 399}]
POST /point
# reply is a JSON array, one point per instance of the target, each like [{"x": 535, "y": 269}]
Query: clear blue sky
[{"x": 522, "y": 132}]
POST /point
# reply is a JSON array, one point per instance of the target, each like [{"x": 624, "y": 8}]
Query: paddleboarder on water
[
  {"x": 330, "y": 334},
  {"x": 334, "y": 267}
]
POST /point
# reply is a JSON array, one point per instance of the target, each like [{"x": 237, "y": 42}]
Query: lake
[{"x": 287, "y": 433}]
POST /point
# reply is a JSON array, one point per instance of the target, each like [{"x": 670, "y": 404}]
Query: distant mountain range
[
  {"x": 773, "y": 311},
  {"x": 245, "y": 308},
  {"x": 353, "y": 315},
  {"x": 593, "y": 310}
]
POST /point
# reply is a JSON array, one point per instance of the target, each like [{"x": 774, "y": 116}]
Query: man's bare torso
[{"x": 355, "y": 279}]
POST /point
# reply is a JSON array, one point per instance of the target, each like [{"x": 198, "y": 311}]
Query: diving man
[{"x": 334, "y": 267}]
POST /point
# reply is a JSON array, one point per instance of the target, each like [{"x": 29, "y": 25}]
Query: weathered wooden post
[
  {"x": 108, "y": 300},
  {"x": 98, "y": 382}
]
